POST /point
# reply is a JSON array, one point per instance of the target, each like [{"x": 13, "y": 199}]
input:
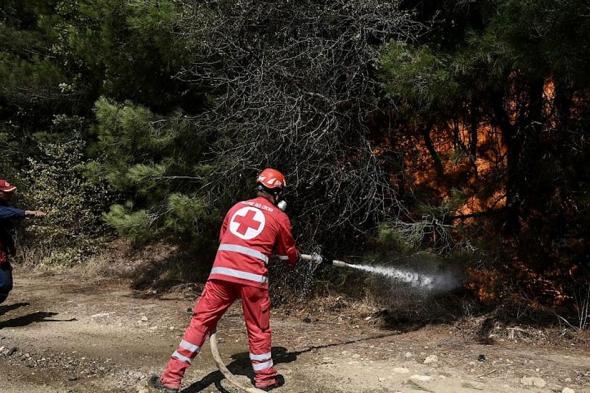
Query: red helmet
[
  {"x": 272, "y": 179},
  {"x": 6, "y": 186}
]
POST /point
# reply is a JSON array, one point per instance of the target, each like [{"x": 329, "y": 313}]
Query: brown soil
[{"x": 62, "y": 333}]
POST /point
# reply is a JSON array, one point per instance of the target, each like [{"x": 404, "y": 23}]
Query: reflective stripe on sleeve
[
  {"x": 189, "y": 346},
  {"x": 239, "y": 274},
  {"x": 262, "y": 366},
  {"x": 243, "y": 250},
  {"x": 261, "y": 357},
  {"x": 283, "y": 257},
  {"x": 181, "y": 357}
]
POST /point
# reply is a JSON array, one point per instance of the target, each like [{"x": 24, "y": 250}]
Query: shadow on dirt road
[
  {"x": 39, "y": 316},
  {"x": 7, "y": 308}
]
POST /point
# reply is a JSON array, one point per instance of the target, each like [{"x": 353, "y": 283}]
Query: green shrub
[
  {"x": 156, "y": 163},
  {"x": 54, "y": 181}
]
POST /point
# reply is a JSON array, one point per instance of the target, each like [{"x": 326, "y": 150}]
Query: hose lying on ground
[{"x": 226, "y": 373}]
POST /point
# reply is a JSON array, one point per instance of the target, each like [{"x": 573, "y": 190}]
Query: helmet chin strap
[
  {"x": 276, "y": 197},
  {"x": 279, "y": 201}
]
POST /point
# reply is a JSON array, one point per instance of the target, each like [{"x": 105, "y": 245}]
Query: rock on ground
[
  {"x": 421, "y": 378},
  {"x": 533, "y": 381}
]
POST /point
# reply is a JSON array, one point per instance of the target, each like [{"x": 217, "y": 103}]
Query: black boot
[
  {"x": 279, "y": 381},
  {"x": 155, "y": 383}
]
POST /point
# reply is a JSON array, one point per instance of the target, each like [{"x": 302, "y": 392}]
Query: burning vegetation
[{"x": 496, "y": 148}]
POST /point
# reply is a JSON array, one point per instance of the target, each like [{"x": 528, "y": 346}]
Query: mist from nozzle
[{"x": 439, "y": 282}]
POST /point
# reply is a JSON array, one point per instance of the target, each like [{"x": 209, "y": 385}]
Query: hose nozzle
[{"x": 338, "y": 263}]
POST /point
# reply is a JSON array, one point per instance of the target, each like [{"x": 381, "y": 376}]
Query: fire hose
[{"x": 232, "y": 379}]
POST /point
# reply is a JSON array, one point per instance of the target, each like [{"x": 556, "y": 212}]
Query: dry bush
[{"x": 296, "y": 89}]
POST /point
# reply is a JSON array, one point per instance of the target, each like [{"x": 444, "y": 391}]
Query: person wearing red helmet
[
  {"x": 8, "y": 215},
  {"x": 252, "y": 231}
]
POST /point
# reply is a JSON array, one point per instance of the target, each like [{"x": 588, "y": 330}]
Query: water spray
[{"x": 430, "y": 282}]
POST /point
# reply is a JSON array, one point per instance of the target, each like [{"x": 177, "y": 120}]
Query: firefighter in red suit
[{"x": 252, "y": 232}]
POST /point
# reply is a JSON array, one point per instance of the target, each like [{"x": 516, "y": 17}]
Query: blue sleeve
[{"x": 8, "y": 213}]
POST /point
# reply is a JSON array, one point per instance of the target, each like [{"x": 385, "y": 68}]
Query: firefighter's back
[{"x": 248, "y": 239}]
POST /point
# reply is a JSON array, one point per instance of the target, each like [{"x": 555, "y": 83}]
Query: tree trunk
[
  {"x": 512, "y": 224},
  {"x": 474, "y": 127},
  {"x": 530, "y": 178},
  {"x": 440, "y": 172},
  {"x": 563, "y": 103}
]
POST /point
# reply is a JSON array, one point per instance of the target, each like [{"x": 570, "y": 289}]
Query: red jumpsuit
[{"x": 252, "y": 231}]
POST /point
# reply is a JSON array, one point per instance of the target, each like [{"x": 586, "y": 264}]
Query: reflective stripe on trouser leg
[
  {"x": 186, "y": 351},
  {"x": 261, "y": 361},
  {"x": 181, "y": 357},
  {"x": 260, "y": 357},
  {"x": 262, "y": 366},
  {"x": 193, "y": 348}
]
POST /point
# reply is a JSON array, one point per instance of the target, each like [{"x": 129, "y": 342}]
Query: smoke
[{"x": 433, "y": 282}]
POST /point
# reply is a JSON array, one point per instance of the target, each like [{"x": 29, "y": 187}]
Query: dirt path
[{"x": 60, "y": 334}]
